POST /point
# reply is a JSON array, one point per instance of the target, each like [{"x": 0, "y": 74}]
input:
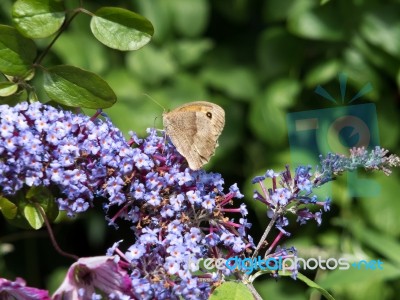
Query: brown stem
[
  {"x": 256, "y": 295},
  {"x": 264, "y": 236},
  {"x": 64, "y": 26},
  {"x": 51, "y": 234}
]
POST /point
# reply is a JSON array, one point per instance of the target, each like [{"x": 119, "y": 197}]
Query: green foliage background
[{"x": 260, "y": 60}]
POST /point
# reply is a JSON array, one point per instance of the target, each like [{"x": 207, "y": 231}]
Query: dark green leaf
[
  {"x": 398, "y": 79},
  {"x": 276, "y": 10},
  {"x": 231, "y": 290},
  {"x": 38, "y": 18},
  {"x": 121, "y": 29},
  {"x": 16, "y": 52},
  {"x": 8, "y": 88},
  {"x": 75, "y": 87},
  {"x": 8, "y": 208},
  {"x": 275, "y": 53}
]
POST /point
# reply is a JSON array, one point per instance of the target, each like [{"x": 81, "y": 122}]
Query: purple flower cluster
[
  {"x": 43, "y": 146},
  {"x": 176, "y": 213},
  {"x": 292, "y": 195},
  {"x": 376, "y": 159}
]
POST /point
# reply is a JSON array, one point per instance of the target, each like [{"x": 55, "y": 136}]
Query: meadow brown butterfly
[{"x": 194, "y": 129}]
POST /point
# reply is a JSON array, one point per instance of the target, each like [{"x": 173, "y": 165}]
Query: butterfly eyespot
[{"x": 209, "y": 115}]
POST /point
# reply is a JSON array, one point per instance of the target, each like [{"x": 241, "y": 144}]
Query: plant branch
[{"x": 51, "y": 234}]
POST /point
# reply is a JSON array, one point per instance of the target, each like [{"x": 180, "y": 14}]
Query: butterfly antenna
[{"x": 154, "y": 100}]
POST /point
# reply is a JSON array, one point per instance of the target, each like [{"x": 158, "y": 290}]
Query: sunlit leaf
[
  {"x": 232, "y": 291},
  {"x": 33, "y": 216},
  {"x": 121, "y": 29},
  {"x": 8, "y": 88},
  {"x": 38, "y": 18},
  {"x": 8, "y": 208}
]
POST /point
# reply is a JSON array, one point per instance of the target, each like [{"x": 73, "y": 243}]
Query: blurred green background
[{"x": 260, "y": 60}]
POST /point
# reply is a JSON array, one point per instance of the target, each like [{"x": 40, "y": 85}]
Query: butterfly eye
[{"x": 209, "y": 115}]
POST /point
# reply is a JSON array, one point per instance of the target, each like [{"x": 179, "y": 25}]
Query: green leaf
[
  {"x": 241, "y": 82},
  {"x": 44, "y": 197},
  {"x": 320, "y": 24},
  {"x": 152, "y": 64},
  {"x": 314, "y": 285},
  {"x": 8, "y": 88},
  {"x": 15, "y": 98},
  {"x": 93, "y": 56},
  {"x": 33, "y": 216},
  {"x": 323, "y": 72},
  {"x": 384, "y": 244},
  {"x": 275, "y": 53},
  {"x": 38, "y": 18},
  {"x": 160, "y": 14},
  {"x": 16, "y": 52},
  {"x": 8, "y": 208},
  {"x": 356, "y": 67},
  {"x": 383, "y": 205},
  {"x": 121, "y": 29},
  {"x": 268, "y": 114},
  {"x": 376, "y": 55},
  {"x": 353, "y": 276},
  {"x": 190, "y": 17},
  {"x": 398, "y": 79},
  {"x": 75, "y": 87},
  {"x": 231, "y": 290},
  {"x": 191, "y": 52},
  {"x": 280, "y": 10},
  {"x": 381, "y": 27}
]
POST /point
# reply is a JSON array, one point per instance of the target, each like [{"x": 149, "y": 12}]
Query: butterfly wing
[{"x": 194, "y": 129}]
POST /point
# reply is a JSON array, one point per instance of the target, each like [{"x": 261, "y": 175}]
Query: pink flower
[
  {"x": 18, "y": 290},
  {"x": 91, "y": 275}
]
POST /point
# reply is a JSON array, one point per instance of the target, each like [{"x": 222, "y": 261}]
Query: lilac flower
[
  {"x": 86, "y": 161},
  {"x": 281, "y": 196},
  {"x": 295, "y": 192},
  {"x": 135, "y": 252}
]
